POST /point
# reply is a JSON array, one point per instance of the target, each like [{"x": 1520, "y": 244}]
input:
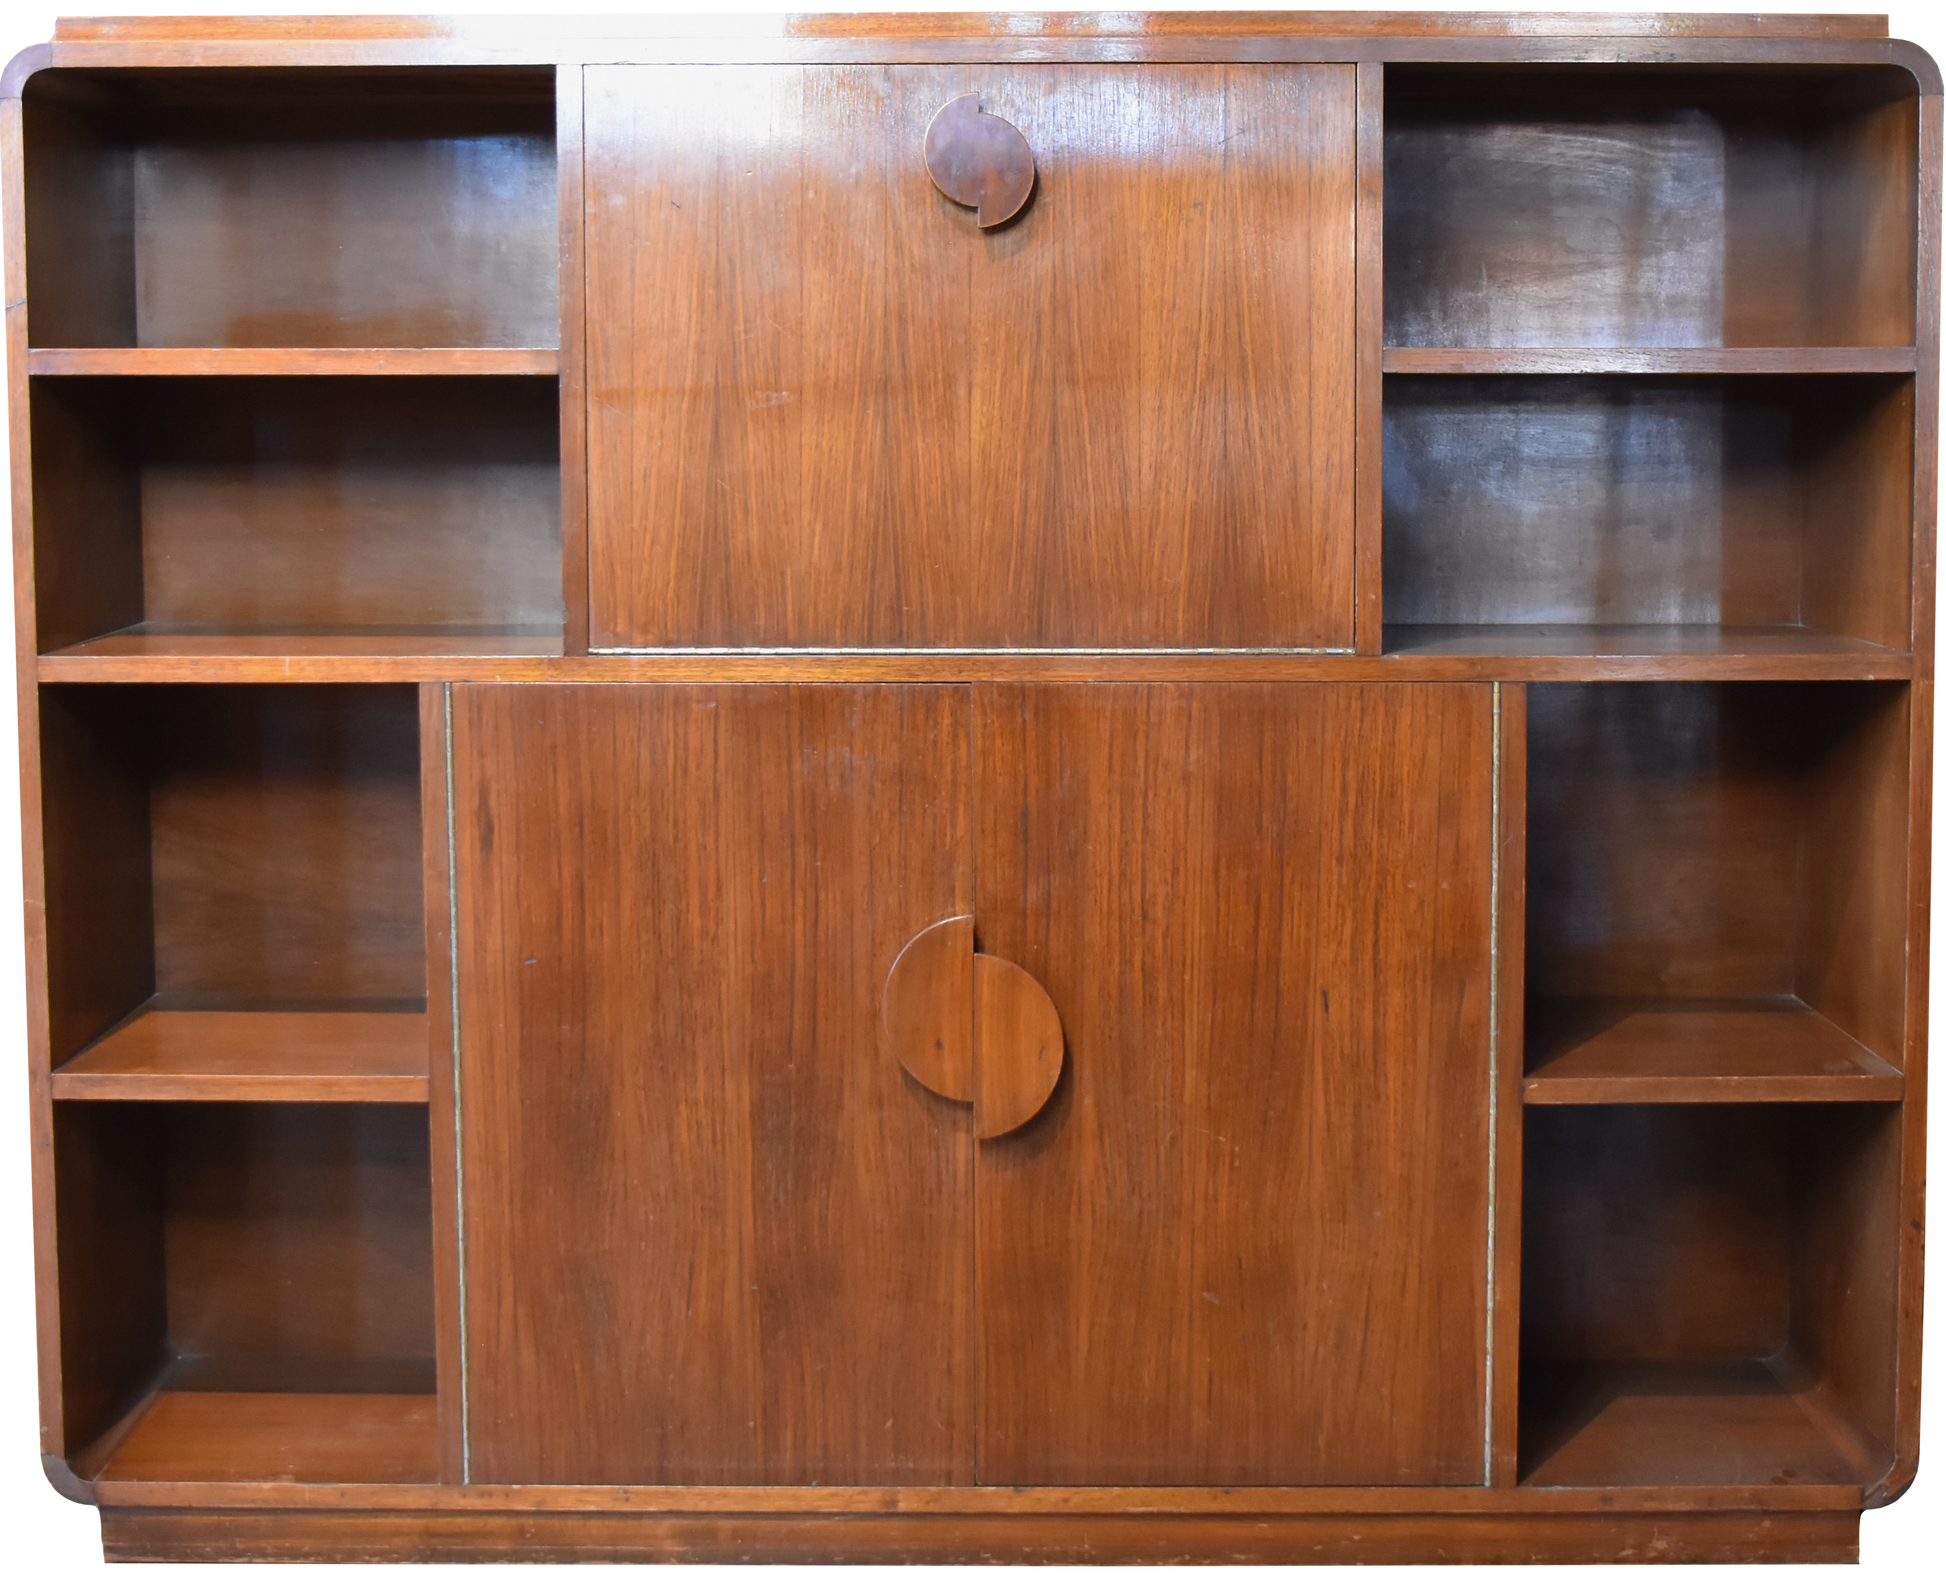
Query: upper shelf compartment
[
  {"x": 292, "y": 208},
  {"x": 1591, "y": 207}
]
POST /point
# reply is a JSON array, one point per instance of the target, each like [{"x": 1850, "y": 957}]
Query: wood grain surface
[
  {"x": 292, "y": 362},
  {"x": 279, "y": 1437},
  {"x": 297, "y": 1245},
  {"x": 1263, "y": 916},
  {"x": 286, "y": 835},
  {"x": 256, "y": 1057},
  {"x": 1649, "y": 1052},
  {"x": 1691, "y": 841},
  {"x": 1596, "y": 1536},
  {"x": 836, "y": 414},
  {"x": 735, "y": 1247},
  {"x": 1698, "y": 1425}
]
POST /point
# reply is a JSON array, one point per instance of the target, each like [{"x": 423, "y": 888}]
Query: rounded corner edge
[
  {"x": 1911, "y": 58},
  {"x": 35, "y": 57},
  {"x": 1892, "y": 1486},
  {"x": 61, "y": 1476}
]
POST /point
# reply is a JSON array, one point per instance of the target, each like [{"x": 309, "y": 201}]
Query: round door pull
[
  {"x": 975, "y": 1029},
  {"x": 980, "y": 161}
]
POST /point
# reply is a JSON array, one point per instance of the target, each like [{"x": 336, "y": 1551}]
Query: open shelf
[
  {"x": 1685, "y": 1424},
  {"x": 1696, "y": 844},
  {"x": 1697, "y": 1052},
  {"x": 249, "y": 207},
  {"x": 361, "y": 511},
  {"x": 1624, "y": 515},
  {"x": 227, "y": 847},
  {"x": 293, "y": 363},
  {"x": 239, "y": 1277},
  {"x": 1590, "y": 207},
  {"x": 1704, "y": 1290},
  {"x": 348, "y": 1439},
  {"x": 256, "y": 1056}
]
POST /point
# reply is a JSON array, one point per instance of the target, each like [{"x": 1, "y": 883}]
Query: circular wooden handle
[
  {"x": 979, "y": 160},
  {"x": 974, "y": 1029}
]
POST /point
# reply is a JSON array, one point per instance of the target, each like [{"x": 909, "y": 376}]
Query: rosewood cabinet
[{"x": 1061, "y": 788}]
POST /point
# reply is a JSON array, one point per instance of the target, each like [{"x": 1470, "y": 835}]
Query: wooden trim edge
[{"x": 203, "y": 1535}]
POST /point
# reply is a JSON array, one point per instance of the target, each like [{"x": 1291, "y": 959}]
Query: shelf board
[
  {"x": 1711, "y": 650},
  {"x": 1699, "y": 1052},
  {"x": 153, "y": 643},
  {"x": 312, "y": 1057},
  {"x": 325, "y": 1439},
  {"x": 293, "y": 363},
  {"x": 1681, "y": 1424},
  {"x": 1571, "y": 360}
]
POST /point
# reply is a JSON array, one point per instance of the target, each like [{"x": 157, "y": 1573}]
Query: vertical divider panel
[
  {"x": 448, "y": 1286},
  {"x": 1368, "y": 487},
  {"x": 574, "y": 346},
  {"x": 1509, "y": 1060}
]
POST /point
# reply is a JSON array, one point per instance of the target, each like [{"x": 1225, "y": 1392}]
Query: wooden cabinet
[{"x": 1120, "y": 788}]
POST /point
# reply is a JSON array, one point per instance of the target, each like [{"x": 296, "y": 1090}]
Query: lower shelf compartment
[
  {"x": 1682, "y": 1424},
  {"x": 326, "y": 1439}
]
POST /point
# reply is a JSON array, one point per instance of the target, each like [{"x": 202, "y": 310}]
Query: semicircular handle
[
  {"x": 972, "y": 1028},
  {"x": 979, "y": 160},
  {"x": 929, "y": 1008},
  {"x": 1018, "y": 1047}
]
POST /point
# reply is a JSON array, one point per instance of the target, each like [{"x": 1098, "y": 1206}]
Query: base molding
[{"x": 301, "y": 1536}]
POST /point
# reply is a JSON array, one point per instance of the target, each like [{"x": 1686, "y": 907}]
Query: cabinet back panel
[
  {"x": 836, "y": 413},
  {"x": 1644, "y": 501},
  {"x": 298, "y": 1239},
  {"x": 339, "y": 502},
  {"x": 286, "y": 504},
  {"x": 339, "y": 208},
  {"x": 287, "y": 849},
  {"x": 1263, "y": 914},
  {"x": 1655, "y": 1233},
  {"x": 1584, "y": 206},
  {"x": 734, "y": 1243},
  {"x": 1685, "y": 839}
]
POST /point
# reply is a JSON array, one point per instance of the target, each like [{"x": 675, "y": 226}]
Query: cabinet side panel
[
  {"x": 713, "y": 1233},
  {"x": 1258, "y": 1198},
  {"x": 79, "y": 180}
]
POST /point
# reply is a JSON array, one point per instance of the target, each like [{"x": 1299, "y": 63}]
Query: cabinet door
[
  {"x": 827, "y": 409},
  {"x": 1246, "y": 1240},
  {"x": 712, "y": 1233}
]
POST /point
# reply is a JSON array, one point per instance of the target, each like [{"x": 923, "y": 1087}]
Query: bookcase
[{"x": 724, "y": 865}]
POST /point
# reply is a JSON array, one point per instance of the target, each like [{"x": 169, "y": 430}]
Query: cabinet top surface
[{"x": 981, "y": 24}]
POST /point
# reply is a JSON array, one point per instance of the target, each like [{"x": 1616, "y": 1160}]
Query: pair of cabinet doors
[
  {"x": 827, "y": 410},
  {"x": 715, "y": 1233}
]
